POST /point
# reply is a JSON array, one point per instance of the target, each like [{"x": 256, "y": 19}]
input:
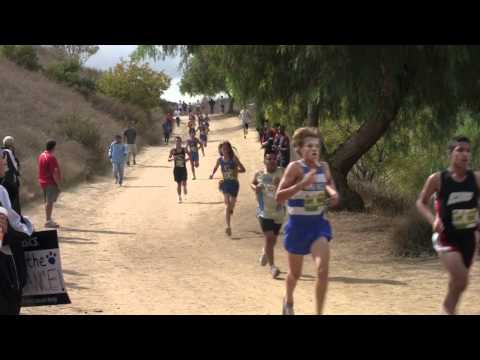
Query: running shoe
[
  {"x": 275, "y": 272},
  {"x": 287, "y": 309},
  {"x": 263, "y": 259},
  {"x": 51, "y": 224},
  {"x": 179, "y": 200},
  {"x": 228, "y": 231}
]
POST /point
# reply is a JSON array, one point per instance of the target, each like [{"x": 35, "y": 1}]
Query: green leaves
[{"x": 135, "y": 83}]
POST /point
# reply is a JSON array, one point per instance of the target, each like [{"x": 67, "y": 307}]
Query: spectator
[
  {"x": 212, "y": 105},
  {"x": 11, "y": 179},
  {"x": 130, "y": 138},
  {"x": 268, "y": 144},
  {"x": 49, "y": 178},
  {"x": 167, "y": 130},
  {"x": 222, "y": 104},
  {"x": 117, "y": 153},
  {"x": 13, "y": 269},
  {"x": 282, "y": 146}
]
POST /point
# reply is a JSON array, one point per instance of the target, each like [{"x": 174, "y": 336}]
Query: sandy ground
[{"x": 134, "y": 250}]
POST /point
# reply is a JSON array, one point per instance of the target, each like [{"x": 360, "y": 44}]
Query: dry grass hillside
[{"x": 34, "y": 109}]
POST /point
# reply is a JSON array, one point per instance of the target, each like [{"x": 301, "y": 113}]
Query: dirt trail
[{"x": 134, "y": 250}]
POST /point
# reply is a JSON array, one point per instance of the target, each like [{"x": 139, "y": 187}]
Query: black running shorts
[
  {"x": 180, "y": 174},
  {"x": 269, "y": 225}
]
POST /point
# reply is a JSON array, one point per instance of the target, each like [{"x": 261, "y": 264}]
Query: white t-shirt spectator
[{"x": 14, "y": 219}]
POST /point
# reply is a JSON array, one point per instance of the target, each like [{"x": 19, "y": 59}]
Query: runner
[
  {"x": 231, "y": 167},
  {"x": 191, "y": 124},
  {"x": 305, "y": 185},
  {"x": 203, "y": 129},
  {"x": 192, "y": 147},
  {"x": 456, "y": 217},
  {"x": 245, "y": 117},
  {"x": 270, "y": 214},
  {"x": 177, "y": 117},
  {"x": 178, "y": 154}
]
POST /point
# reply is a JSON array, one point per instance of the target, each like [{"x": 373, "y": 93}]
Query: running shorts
[
  {"x": 194, "y": 156},
  {"x": 230, "y": 187},
  {"x": 180, "y": 174},
  {"x": 302, "y": 231},
  {"x": 464, "y": 243},
  {"x": 269, "y": 225}
]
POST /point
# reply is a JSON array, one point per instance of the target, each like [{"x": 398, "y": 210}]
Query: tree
[
  {"x": 81, "y": 53},
  {"x": 135, "y": 83},
  {"x": 23, "y": 55},
  {"x": 374, "y": 87},
  {"x": 205, "y": 74}
]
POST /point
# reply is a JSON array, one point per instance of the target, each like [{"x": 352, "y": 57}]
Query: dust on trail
[{"x": 134, "y": 250}]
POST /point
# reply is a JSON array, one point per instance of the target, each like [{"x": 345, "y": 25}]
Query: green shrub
[
  {"x": 69, "y": 73},
  {"x": 23, "y": 55},
  {"x": 411, "y": 236},
  {"x": 82, "y": 130}
]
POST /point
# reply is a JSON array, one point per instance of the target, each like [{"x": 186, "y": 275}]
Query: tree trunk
[
  {"x": 313, "y": 114},
  {"x": 348, "y": 153},
  {"x": 230, "y": 105}
]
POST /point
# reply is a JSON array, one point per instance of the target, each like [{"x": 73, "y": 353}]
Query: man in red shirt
[{"x": 49, "y": 178}]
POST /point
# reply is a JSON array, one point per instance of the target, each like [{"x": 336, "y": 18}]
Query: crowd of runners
[
  {"x": 297, "y": 194},
  {"x": 294, "y": 195}
]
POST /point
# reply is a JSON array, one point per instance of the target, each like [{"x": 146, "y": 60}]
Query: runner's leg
[
  {"x": 192, "y": 164},
  {"x": 270, "y": 240},
  {"x": 227, "y": 211},
  {"x": 458, "y": 279},
  {"x": 295, "y": 264},
  {"x": 185, "y": 188},
  {"x": 321, "y": 255}
]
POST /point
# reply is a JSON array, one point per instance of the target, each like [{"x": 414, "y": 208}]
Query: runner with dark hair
[{"x": 455, "y": 219}]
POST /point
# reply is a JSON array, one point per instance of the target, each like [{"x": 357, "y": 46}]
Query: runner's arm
[
  {"x": 330, "y": 186},
  {"x": 201, "y": 147},
  {"x": 215, "y": 168},
  {"x": 292, "y": 182},
  {"x": 240, "y": 167},
  {"x": 432, "y": 185},
  {"x": 170, "y": 156},
  {"x": 254, "y": 184}
]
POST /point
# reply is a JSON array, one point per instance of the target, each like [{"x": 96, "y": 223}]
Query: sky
[{"x": 109, "y": 55}]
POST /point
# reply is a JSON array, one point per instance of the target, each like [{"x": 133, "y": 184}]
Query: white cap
[{"x": 8, "y": 140}]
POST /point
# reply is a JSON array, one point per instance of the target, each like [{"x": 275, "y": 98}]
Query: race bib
[
  {"x": 464, "y": 218},
  {"x": 228, "y": 174},
  {"x": 315, "y": 203}
]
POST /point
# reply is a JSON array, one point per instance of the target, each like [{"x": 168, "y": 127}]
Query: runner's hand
[
  {"x": 309, "y": 179},
  {"x": 333, "y": 201},
  {"x": 438, "y": 225},
  {"x": 258, "y": 188}
]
